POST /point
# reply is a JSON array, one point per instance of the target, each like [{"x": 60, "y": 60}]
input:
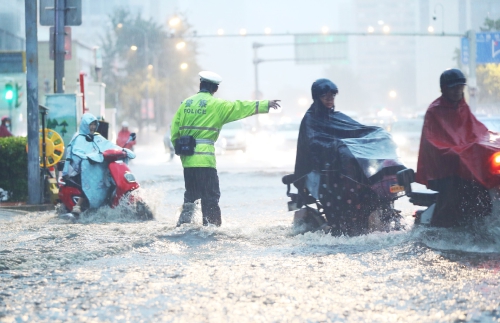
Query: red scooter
[{"x": 124, "y": 185}]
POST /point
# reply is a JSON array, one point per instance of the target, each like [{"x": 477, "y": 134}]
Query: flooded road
[{"x": 255, "y": 268}]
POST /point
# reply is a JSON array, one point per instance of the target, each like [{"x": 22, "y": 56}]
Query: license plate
[{"x": 396, "y": 189}]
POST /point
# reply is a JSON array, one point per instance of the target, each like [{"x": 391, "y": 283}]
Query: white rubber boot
[{"x": 187, "y": 213}]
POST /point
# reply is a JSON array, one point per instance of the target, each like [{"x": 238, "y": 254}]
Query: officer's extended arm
[{"x": 236, "y": 110}]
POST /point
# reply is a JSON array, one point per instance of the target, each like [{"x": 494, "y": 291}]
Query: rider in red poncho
[
  {"x": 454, "y": 151},
  {"x": 123, "y": 136},
  {"x": 4, "y": 128}
]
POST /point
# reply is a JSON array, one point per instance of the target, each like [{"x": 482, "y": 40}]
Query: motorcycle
[
  {"x": 122, "y": 187},
  {"x": 320, "y": 188},
  {"x": 427, "y": 198}
]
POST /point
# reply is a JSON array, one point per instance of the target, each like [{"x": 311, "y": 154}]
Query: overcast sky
[{"x": 232, "y": 57}]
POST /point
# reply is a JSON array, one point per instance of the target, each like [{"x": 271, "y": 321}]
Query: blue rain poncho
[{"x": 84, "y": 156}]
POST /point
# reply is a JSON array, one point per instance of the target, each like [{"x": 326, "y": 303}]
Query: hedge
[{"x": 14, "y": 167}]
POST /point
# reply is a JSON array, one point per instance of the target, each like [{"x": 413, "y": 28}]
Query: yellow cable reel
[{"x": 54, "y": 148}]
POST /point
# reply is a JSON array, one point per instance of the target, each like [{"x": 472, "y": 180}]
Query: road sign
[
  {"x": 487, "y": 48},
  {"x": 320, "y": 49},
  {"x": 12, "y": 62},
  {"x": 67, "y": 43},
  {"x": 72, "y": 13}
]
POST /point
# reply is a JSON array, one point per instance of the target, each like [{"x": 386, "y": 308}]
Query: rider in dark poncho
[{"x": 356, "y": 156}]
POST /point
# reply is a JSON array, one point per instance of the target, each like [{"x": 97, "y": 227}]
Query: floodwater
[{"x": 255, "y": 268}]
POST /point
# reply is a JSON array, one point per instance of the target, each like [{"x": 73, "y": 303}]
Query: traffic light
[
  {"x": 18, "y": 95},
  {"x": 13, "y": 94},
  {"x": 9, "y": 92}
]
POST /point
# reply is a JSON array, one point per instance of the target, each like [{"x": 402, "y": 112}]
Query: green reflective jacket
[{"x": 202, "y": 116}]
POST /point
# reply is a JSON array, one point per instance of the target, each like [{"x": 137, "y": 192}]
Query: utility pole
[
  {"x": 157, "y": 100},
  {"x": 59, "y": 51},
  {"x": 34, "y": 189},
  {"x": 256, "y": 62},
  {"x": 148, "y": 80}
]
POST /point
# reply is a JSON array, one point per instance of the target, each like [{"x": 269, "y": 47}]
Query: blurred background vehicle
[
  {"x": 406, "y": 134},
  {"x": 220, "y": 145},
  {"x": 233, "y": 136},
  {"x": 286, "y": 135}
]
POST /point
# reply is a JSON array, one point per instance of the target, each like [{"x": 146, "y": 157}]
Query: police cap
[{"x": 211, "y": 77}]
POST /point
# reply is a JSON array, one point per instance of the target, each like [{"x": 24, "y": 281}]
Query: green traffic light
[{"x": 9, "y": 95}]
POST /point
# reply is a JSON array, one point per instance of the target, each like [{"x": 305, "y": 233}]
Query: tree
[
  {"x": 490, "y": 25},
  {"x": 488, "y": 80},
  {"x": 488, "y": 75},
  {"x": 52, "y": 123},
  {"x": 64, "y": 124},
  {"x": 140, "y": 60}
]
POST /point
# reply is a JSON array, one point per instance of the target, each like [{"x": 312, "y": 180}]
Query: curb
[{"x": 27, "y": 208}]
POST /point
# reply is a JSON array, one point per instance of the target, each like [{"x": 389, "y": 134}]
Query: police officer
[{"x": 195, "y": 128}]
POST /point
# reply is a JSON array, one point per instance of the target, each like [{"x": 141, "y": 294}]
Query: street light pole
[
  {"x": 59, "y": 51},
  {"x": 146, "y": 49},
  {"x": 146, "y": 53},
  {"x": 471, "y": 34},
  {"x": 256, "y": 62},
  {"x": 442, "y": 16},
  {"x": 34, "y": 189}
]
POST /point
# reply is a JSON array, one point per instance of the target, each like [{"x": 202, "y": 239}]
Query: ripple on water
[{"x": 109, "y": 267}]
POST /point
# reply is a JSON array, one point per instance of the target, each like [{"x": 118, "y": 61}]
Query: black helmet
[
  {"x": 452, "y": 77},
  {"x": 321, "y": 87}
]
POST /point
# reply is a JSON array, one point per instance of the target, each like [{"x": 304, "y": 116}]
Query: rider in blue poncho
[{"x": 84, "y": 167}]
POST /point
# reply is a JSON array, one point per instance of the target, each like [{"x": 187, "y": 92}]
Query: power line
[{"x": 404, "y": 34}]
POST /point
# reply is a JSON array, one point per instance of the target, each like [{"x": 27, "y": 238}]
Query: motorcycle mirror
[{"x": 132, "y": 136}]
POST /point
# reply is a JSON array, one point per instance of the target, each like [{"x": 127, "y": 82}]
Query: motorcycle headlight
[
  {"x": 495, "y": 163},
  {"x": 129, "y": 177}
]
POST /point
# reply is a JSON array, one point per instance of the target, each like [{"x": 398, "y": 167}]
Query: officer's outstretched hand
[{"x": 274, "y": 104}]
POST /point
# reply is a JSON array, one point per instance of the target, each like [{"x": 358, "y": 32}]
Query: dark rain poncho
[{"x": 357, "y": 151}]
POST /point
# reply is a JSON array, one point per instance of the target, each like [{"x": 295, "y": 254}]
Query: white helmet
[{"x": 125, "y": 124}]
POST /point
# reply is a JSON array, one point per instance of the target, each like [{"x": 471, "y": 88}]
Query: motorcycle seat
[
  {"x": 289, "y": 179},
  {"x": 405, "y": 178},
  {"x": 423, "y": 198}
]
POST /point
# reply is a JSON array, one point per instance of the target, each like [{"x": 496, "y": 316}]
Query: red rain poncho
[
  {"x": 4, "y": 131},
  {"x": 123, "y": 136},
  {"x": 455, "y": 143}
]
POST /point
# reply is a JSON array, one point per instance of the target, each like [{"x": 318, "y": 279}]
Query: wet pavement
[{"x": 255, "y": 268}]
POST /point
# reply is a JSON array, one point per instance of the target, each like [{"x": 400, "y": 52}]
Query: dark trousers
[
  {"x": 203, "y": 183},
  {"x": 459, "y": 201}
]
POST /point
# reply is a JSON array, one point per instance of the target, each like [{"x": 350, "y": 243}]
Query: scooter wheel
[{"x": 143, "y": 211}]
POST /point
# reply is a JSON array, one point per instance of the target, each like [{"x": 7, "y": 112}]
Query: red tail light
[{"x": 495, "y": 163}]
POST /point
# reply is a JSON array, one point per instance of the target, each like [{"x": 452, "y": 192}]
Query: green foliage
[
  {"x": 488, "y": 75},
  {"x": 127, "y": 76},
  {"x": 491, "y": 25},
  {"x": 13, "y": 167},
  {"x": 488, "y": 81}
]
